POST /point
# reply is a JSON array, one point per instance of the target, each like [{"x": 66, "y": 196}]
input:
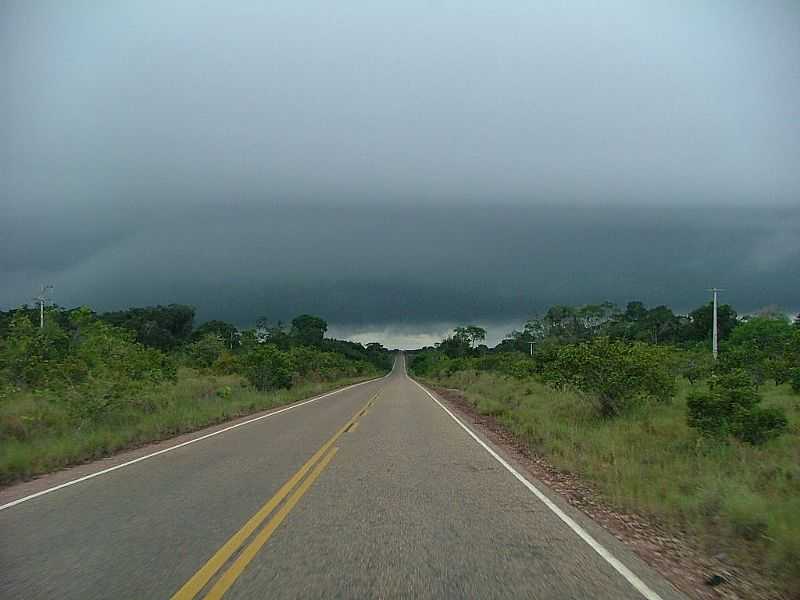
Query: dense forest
[{"x": 85, "y": 384}]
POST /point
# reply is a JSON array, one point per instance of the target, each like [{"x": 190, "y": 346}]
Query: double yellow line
[{"x": 316, "y": 464}]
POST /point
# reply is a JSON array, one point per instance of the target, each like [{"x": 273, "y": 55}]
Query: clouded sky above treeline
[{"x": 398, "y": 169}]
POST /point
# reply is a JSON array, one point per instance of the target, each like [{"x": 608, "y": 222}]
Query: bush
[
  {"x": 545, "y": 354},
  {"x": 794, "y": 380},
  {"x": 428, "y": 363},
  {"x": 515, "y": 364},
  {"x": 760, "y": 425},
  {"x": 616, "y": 372},
  {"x": 30, "y": 356},
  {"x": 206, "y": 351},
  {"x": 266, "y": 368},
  {"x": 778, "y": 369},
  {"x": 731, "y": 407},
  {"x": 226, "y": 364},
  {"x": 694, "y": 366}
]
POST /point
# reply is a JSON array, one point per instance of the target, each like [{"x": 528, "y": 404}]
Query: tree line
[
  {"x": 620, "y": 357},
  {"x": 636, "y": 322},
  {"x": 99, "y": 364}
]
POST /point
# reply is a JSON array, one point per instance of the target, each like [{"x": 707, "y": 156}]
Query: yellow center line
[
  {"x": 192, "y": 587},
  {"x": 230, "y": 576},
  {"x": 353, "y": 428}
]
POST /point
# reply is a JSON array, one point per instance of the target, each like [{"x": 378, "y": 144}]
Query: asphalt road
[{"x": 373, "y": 492}]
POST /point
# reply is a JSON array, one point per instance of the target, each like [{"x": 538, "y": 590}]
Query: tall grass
[
  {"x": 38, "y": 436},
  {"x": 740, "y": 499}
]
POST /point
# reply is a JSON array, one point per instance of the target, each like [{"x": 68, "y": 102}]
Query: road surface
[{"x": 373, "y": 492}]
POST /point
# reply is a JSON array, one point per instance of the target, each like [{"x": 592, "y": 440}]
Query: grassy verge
[
  {"x": 738, "y": 499},
  {"x": 38, "y": 437}
]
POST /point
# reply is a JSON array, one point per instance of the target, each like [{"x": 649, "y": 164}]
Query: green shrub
[
  {"x": 206, "y": 351},
  {"x": 428, "y": 363},
  {"x": 266, "y": 367},
  {"x": 794, "y": 380},
  {"x": 779, "y": 369},
  {"x": 616, "y": 372},
  {"x": 731, "y": 407},
  {"x": 226, "y": 364},
  {"x": 516, "y": 364},
  {"x": 760, "y": 425},
  {"x": 694, "y": 366},
  {"x": 30, "y": 356}
]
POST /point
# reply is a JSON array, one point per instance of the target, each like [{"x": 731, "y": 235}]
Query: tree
[
  {"x": 470, "y": 334},
  {"x": 794, "y": 379},
  {"x": 660, "y": 324},
  {"x": 162, "y": 327},
  {"x": 763, "y": 346},
  {"x": 562, "y": 321},
  {"x": 455, "y": 346},
  {"x": 595, "y": 316},
  {"x": 694, "y": 365},
  {"x": 227, "y": 332},
  {"x": 702, "y": 319},
  {"x": 308, "y": 329},
  {"x": 534, "y": 330},
  {"x": 266, "y": 367},
  {"x": 614, "y": 371},
  {"x": 206, "y": 351},
  {"x": 768, "y": 334},
  {"x": 634, "y": 311},
  {"x": 731, "y": 407}
]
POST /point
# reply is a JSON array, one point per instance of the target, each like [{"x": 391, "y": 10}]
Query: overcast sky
[{"x": 399, "y": 168}]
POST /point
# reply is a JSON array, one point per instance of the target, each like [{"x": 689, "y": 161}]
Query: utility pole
[
  {"x": 531, "y": 343},
  {"x": 42, "y": 300},
  {"x": 714, "y": 336}
]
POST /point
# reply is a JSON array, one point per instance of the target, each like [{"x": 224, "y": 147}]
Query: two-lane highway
[{"x": 377, "y": 491}]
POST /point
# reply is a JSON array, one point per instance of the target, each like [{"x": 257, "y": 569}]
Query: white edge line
[
  {"x": 629, "y": 575},
  {"x": 182, "y": 444}
]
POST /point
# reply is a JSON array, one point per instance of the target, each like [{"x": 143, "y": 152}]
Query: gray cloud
[{"x": 386, "y": 166}]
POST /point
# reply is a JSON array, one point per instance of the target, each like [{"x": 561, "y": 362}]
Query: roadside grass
[
  {"x": 37, "y": 436},
  {"x": 735, "y": 498}
]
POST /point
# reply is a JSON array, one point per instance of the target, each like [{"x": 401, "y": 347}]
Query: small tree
[
  {"x": 694, "y": 366},
  {"x": 475, "y": 334},
  {"x": 227, "y": 332},
  {"x": 266, "y": 367},
  {"x": 702, "y": 319},
  {"x": 309, "y": 330},
  {"x": 794, "y": 380},
  {"x": 731, "y": 407},
  {"x": 456, "y": 345},
  {"x": 779, "y": 369},
  {"x": 615, "y": 371},
  {"x": 204, "y": 352}
]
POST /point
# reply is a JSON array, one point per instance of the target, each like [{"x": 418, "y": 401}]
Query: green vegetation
[
  {"x": 657, "y": 428},
  {"x": 731, "y": 407},
  {"x": 613, "y": 371},
  {"x": 87, "y": 385}
]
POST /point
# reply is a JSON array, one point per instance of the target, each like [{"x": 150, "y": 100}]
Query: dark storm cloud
[
  {"x": 430, "y": 162},
  {"x": 405, "y": 262}
]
